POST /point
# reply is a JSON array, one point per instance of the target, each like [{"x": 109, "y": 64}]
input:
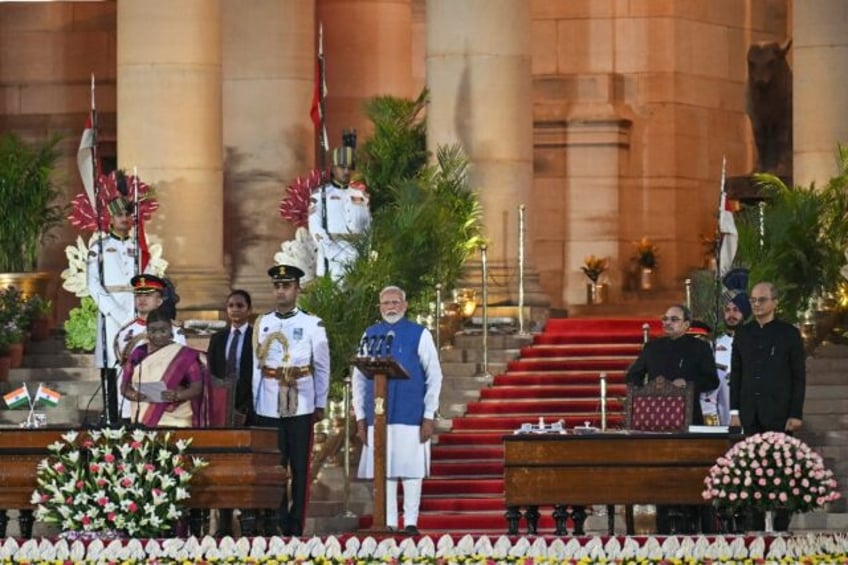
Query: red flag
[
  {"x": 143, "y": 248},
  {"x": 319, "y": 92}
]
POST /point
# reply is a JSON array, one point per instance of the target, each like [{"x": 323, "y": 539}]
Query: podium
[{"x": 380, "y": 369}]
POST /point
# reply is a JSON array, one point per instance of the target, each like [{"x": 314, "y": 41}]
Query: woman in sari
[{"x": 173, "y": 371}]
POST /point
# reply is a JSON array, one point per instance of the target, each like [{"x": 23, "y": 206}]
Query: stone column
[
  {"x": 169, "y": 126},
  {"x": 820, "y": 72},
  {"x": 479, "y": 76},
  {"x": 268, "y": 77},
  {"x": 368, "y": 52}
]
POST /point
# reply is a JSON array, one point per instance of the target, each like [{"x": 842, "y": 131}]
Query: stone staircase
[{"x": 826, "y": 430}]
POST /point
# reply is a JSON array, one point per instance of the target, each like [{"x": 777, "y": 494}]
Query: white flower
[{"x": 74, "y": 277}]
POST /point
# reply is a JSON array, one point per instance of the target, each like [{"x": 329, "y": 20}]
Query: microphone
[
  {"x": 363, "y": 344},
  {"x": 380, "y": 340},
  {"x": 390, "y": 337},
  {"x": 372, "y": 346}
]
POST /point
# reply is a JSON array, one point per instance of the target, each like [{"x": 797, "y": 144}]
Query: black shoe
[{"x": 411, "y": 531}]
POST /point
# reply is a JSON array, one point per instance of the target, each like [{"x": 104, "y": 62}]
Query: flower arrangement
[
  {"x": 770, "y": 471},
  {"x": 442, "y": 550},
  {"x": 646, "y": 253},
  {"x": 118, "y": 480},
  {"x": 593, "y": 267}
]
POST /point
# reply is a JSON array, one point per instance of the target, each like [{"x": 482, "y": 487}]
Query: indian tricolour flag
[
  {"x": 48, "y": 395},
  {"x": 18, "y": 397}
]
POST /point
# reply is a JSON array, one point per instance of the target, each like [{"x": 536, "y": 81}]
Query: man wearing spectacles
[
  {"x": 410, "y": 406},
  {"x": 767, "y": 376},
  {"x": 680, "y": 358},
  {"x": 677, "y": 357},
  {"x": 768, "y": 372}
]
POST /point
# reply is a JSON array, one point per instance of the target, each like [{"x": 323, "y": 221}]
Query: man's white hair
[{"x": 393, "y": 288}]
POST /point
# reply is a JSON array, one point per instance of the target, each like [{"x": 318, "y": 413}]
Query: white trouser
[{"x": 411, "y": 502}]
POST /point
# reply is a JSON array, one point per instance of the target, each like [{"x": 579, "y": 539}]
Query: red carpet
[{"x": 556, "y": 378}]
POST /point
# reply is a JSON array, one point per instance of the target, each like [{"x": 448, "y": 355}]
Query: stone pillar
[
  {"x": 368, "y": 52},
  {"x": 820, "y": 72},
  {"x": 269, "y": 140},
  {"x": 478, "y": 73},
  {"x": 169, "y": 126}
]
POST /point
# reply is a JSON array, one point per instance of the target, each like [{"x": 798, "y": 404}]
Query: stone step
[
  {"x": 458, "y": 355},
  {"x": 60, "y": 360},
  {"x": 474, "y": 340},
  {"x": 823, "y": 405},
  {"x": 830, "y": 350},
  {"x": 820, "y": 521},
  {"x": 51, "y": 374},
  {"x": 832, "y": 391}
]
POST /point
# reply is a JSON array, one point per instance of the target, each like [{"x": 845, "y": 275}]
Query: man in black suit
[
  {"x": 768, "y": 371},
  {"x": 230, "y": 357},
  {"x": 767, "y": 376}
]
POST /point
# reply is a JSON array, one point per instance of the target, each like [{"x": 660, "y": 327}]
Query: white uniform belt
[{"x": 119, "y": 288}]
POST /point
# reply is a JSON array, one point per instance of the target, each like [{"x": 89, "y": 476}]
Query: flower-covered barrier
[
  {"x": 132, "y": 481},
  {"x": 770, "y": 471},
  {"x": 446, "y": 550}
]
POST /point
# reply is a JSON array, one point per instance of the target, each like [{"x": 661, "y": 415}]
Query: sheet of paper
[{"x": 153, "y": 391}]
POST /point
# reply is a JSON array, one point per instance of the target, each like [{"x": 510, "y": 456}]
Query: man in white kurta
[
  {"x": 291, "y": 381},
  {"x": 411, "y": 406}
]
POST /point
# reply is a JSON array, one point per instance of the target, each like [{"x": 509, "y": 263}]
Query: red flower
[
  {"x": 133, "y": 507},
  {"x": 109, "y": 458}
]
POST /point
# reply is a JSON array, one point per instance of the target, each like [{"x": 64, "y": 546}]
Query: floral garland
[
  {"x": 770, "y": 471},
  {"x": 114, "y": 480},
  {"x": 810, "y": 549},
  {"x": 84, "y": 215}
]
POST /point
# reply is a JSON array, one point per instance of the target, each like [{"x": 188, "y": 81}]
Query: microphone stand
[{"x": 106, "y": 415}]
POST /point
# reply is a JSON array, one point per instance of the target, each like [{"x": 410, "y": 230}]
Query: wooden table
[
  {"x": 244, "y": 469},
  {"x": 604, "y": 468}
]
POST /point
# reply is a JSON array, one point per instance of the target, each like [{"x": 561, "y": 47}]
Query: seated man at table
[{"x": 682, "y": 359}]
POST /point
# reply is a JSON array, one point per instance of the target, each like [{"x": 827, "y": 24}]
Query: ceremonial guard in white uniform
[
  {"x": 338, "y": 215},
  {"x": 109, "y": 287},
  {"x": 291, "y": 380}
]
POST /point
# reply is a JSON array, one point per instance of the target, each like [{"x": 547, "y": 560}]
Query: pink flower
[
  {"x": 59, "y": 468},
  {"x": 133, "y": 507},
  {"x": 783, "y": 497},
  {"x": 126, "y": 482},
  {"x": 86, "y": 520},
  {"x": 758, "y": 495},
  {"x": 80, "y": 484},
  {"x": 109, "y": 458},
  {"x": 149, "y": 468},
  {"x": 777, "y": 481},
  {"x": 103, "y": 501},
  {"x": 743, "y": 495},
  {"x": 135, "y": 445},
  {"x": 94, "y": 468},
  {"x": 762, "y": 482},
  {"x": 178, "y": 471},
  {"x": 111, "y": 516},
  {"x": 102, "y": 482}
]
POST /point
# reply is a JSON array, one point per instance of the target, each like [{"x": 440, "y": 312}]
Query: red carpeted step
[
  {"x": 491, "y": 467},
  {"x": 599, "y": 364},
  {"x": 441, "y": 452},
  {"x": 602, "y": 350},
  {"x": 507, "y": 424},
  {"x": 462, "y": 504},
  {"x": 599, "y": 325},
  {"x": 543, "y": 391},
  {"x": 535, "y": 406},
  {"x": 472, "y": 438},
  {"x": 552, "y": 339},
  {"x": 443, "y": 486},
  {"x": 556, "y": 378}
]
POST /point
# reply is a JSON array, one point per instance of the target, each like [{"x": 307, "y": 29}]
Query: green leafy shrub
[{"x": 81, "y": 326}]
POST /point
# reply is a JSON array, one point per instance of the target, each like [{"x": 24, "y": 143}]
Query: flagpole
[
  {"x": 137, "y": 221},
  {"x": 322, "y": 139},
  {"x": 718, "y": 246},
  {"x": 29, "y": 423}
]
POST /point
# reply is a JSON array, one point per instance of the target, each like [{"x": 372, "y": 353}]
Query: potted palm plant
[{"x": 28, "y": 207}]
